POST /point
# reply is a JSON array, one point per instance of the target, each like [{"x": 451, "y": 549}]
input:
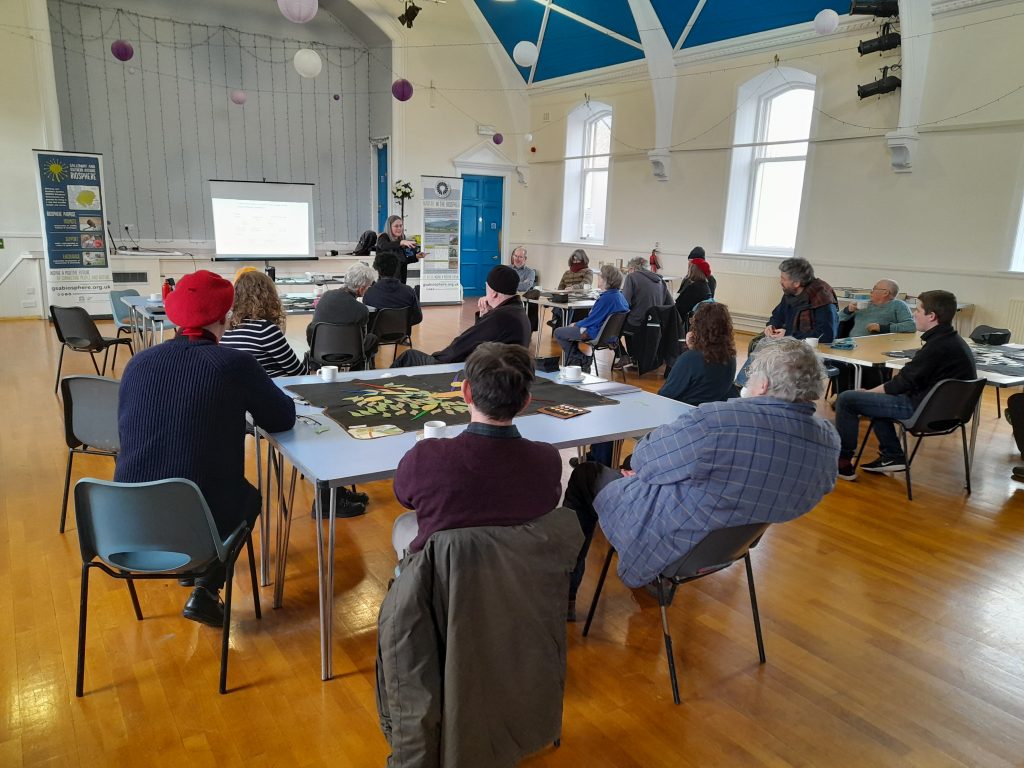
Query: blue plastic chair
[
  {"x": 90, "y": 422},
  {"x": 157, "y": 530}
]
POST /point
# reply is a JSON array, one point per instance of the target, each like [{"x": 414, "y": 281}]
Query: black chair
[
  {"x": 339, "y": 344},
  {"x": 715, "y": 552},
  {"x": 609, "y": 338},
  {"x": 157, "y": 530},
  {"x": 948, "y": 406},
  {"x": 90, "y": 422},
  {"x": 391, "y": 326},
  {"x": 77, "y": 331}
]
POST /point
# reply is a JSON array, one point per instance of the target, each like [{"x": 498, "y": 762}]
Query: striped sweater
[{"x": 264, "y": 340}]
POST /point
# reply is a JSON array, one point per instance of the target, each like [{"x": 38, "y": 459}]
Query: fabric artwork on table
[
  {"x": 1009, "y": 362},
  {"x": 404, "y": 403}
]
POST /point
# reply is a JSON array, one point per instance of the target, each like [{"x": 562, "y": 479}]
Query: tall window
[
  {"x": 1017, "y": 262},
  {"x": 587, "y": 148},
  {"x": 773, "y": 124}
]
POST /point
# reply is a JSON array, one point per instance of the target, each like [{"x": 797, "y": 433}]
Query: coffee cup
[
  {"x": 812, "y": 342},
  {"x": 329, "y": 372},
  {"x": 434, "y": 429},
  {"x": 572, "y": 372},
  {"x": 154, "y": 297}
]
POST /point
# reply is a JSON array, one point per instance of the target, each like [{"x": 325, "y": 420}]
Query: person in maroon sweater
[{"x": 444, "y": 479}]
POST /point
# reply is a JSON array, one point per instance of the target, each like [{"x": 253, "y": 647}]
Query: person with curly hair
[
  {"x": 705, "y": 372},
  {"x": 256, "y": 325}
]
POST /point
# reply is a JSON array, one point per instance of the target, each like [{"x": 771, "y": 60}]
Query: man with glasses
[{"x": 885, "y": 313}]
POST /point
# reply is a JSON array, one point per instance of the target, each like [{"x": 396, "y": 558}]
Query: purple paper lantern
[
  {"x": 122, "y": 50},
  {"x": 299, "y": 11},
  {"x": 497, "y": 138},
  {"x": 238, "y": 97},
  {"x": 337, "y": 97},
  {"x": 401, "y": 89}
]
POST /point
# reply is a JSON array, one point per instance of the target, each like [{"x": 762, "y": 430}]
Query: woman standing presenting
[{"x": 393, "y": 239}]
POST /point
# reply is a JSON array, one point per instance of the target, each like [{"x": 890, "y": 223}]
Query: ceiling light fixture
[
  {"x": 411, "y": 12},
  {"x": 885, "y": 84},
  {"x": 884, "y": 42},
  {"x": 882, "y": 8}
]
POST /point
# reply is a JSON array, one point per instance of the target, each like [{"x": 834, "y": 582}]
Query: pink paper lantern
[
  {"x": 401, "y": 89},
  {"x": 122, "y": 50},
  {"x": 337, "y": 97},
  {"x": 238, "y": 97},
  {"x": 299, "y": 11},
  {"x": 497, "y": 138}
]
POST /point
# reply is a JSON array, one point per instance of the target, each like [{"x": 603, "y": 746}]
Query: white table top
[
  {"x": 544, "y": 301},
  {"x": 152, "y": 309}
]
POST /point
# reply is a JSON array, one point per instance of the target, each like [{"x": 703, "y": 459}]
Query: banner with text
[
  {"x": 442, "y": 221},
  {"x": 71, "y": 208}
]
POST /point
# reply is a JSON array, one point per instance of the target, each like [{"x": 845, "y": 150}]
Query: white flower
[{"x": 402, "y": 190}]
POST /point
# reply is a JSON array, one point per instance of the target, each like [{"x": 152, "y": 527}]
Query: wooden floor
[{"x": 894, "y": 630}]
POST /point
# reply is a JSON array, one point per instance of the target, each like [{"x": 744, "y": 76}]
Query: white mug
[
  {"x": 329, "y": 372},
  {"x": 154, "y": 297},
  {"x": 811, "y": 341},
  {"x": 434, "y": 429},
  {"x": 572, "y": 372}
]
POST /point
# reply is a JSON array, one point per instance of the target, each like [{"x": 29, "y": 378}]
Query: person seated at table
[
  {"x": 257, "y": 325},
  {"x": 434, "y": 476},
  {"x": 393, "y": 240},
  {"x": 809, "y": 307},
  {"x": 695, "y": 254},
  {"x": 643, "y": 289},
  {"x": 391, "y": 293},
  {"x": 527, "y": 275},
  {"x": 765, "y": 457},
  {"x": 884, "y": 314},
  {"x": 501, "y": 318},
  {"x": 943, "y": 355},
  {"x": 694, "y": 290},
  {"x": 578, "y": 277},
  {"x": 342, "y": 305},
  {"x": 611, "y": 300},
  {"x": 182, "y": 413}
]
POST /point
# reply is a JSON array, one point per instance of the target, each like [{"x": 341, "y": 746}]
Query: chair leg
[
  {"x": 226, "y": 631},
  {"x": 60, "y": 362},
  {"x": 967, "y": 458},
  {"x": 864, "y": 443},
  {"x": 92, "y": 356},
  {"x": 999, "y": 409},
  {"x": 668, "y": 640},
  {"x": 113, "y": 363},
  {"x": 83, "y": 612},
  {"x": 597, "y": 592},
  {"x": 67, "y": 489},
  {"x": 135, "y": 598},
  {"x": 252, "y": 574},
  {"x": 909, "y": 459},
  {"x": 753, "y": 608}
]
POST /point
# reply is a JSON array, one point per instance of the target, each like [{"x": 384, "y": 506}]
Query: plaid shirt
[{"x": 743, "y": 461}]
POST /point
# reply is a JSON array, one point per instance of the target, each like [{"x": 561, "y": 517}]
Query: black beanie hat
[
  {"x": 696, "y": 253},
  {"x": 503, "y": 279}
]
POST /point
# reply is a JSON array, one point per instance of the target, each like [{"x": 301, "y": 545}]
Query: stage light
[
  {"x": 885, "y": 84},
  {"x": 884, "y": 42},
  {"x": 411, "y": 12},
  {"x": 883, "y": 8}
]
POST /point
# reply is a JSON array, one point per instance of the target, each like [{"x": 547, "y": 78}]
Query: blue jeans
[{"x": 850, "y": 406}]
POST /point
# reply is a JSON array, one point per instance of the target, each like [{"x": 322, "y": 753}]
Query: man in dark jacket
[
  {"x": 391, "y": 293},
  {"x": 944, "y": 355},
  {"x": 342, "y": 305},
  {"x": 643, "y": 289},
  {"x": 502, "y": 318},
  {"x": 808, "y": 308}
]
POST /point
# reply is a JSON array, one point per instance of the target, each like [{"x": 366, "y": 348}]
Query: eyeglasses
[{"x": 318, "y": 426}]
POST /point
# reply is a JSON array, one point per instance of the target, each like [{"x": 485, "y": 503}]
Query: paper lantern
[
  {"x": 401, "y": 89},
  {"x": 122, "y": 50},
  {"x": 533, "y": 149},
  {"x": 497, "y": 138},
  {"x": 826, "y": 22},
  {"x": 299, "y": 11},
  {"x": 337, "y": 97},
  {"x": 307, "y": 62},
  {"x": 238, "y": 97},
  {"x": 525, "y": 53},
  {"x": 527, "y": 137}
]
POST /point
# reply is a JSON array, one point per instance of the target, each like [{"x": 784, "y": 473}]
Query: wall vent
[{"x": 121, "y": 278}]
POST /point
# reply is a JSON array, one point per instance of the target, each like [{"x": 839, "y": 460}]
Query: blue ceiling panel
[
  {"x": 570, "y": 47},
  {"x": 610, "y": 14},
  {"x": 673, "y": 15},
  {"x": 725, "y": 19},
  {"x": 513, "y": 23}
]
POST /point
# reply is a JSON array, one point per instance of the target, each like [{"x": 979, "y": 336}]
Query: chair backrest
[
  {"x": 718, "y": 549},
  {"x": 391, "y": 325},
  {"x": 90, "y": 412},
  {"x": 338, "y": 344},
  {"x": 948, "y": 405},
  {"x": 75, "y": 327},
  {"x": 162, "y": 526},
  {"x": 121, "y": 311},
  {"x": 611, "y": 329}
]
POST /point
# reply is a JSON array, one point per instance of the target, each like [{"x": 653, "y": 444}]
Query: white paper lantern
[
  {"x": 826, "y": 22},
  {"x": 299, "y": 11},
  {"x": 307, "y": 62},
  {"x": 525, "y": 54},
  {"x": 238, "y": 97},
  {"x": 527, "y": 137}
]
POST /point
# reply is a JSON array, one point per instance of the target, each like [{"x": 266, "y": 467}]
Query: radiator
[
  {"x": 1015, "y": 320},
  {"x": 751, "y": 299}
]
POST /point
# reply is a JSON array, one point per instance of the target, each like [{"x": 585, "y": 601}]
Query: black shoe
[
  {"x": 1018, "y": 472},
  {"x": 570, "y": 613},
  {"x": 586, "y": 363},
  {"x": 343, "y": 509},
  {"x": 355, "y": 497},
  {"x": 187, "y": 581},
  {"x": 846, "y": 470},
  {"x": 885, "y": 465},
  {"x": 205, "y": 607},
  {"x": 552, "y": 323}
]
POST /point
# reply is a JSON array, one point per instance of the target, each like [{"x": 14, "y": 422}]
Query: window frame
[{"x": 581, "y": 134}]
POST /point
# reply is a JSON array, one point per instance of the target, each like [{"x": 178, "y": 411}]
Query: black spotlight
[
  {"x": 878, "y": 44},
  {"x": 882, "y": 8},
  {"x": 411, "y": 12},
  {"x": 885, "y": 84}
]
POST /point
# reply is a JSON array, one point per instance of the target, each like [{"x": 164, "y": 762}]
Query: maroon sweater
[{"x": 477, "y": 478}]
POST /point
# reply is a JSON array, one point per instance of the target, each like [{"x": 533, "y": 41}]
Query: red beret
[
  {"x": 199, "y": 299},
  {"x": 703, "y": 266}
]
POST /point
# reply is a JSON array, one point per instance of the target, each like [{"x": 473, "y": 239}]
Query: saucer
[{"x": 567, "y": 380}]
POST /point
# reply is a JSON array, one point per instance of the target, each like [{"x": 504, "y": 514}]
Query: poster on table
[
  {"x": 71, "y": 208},
  {"x": 442, "y": 221}
]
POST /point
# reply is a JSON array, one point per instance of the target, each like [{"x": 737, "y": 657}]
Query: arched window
[
  {"x": 1017, "y": 258},
  {"x": 587, "y": 149},
  {"x": 773, "y": 124}
]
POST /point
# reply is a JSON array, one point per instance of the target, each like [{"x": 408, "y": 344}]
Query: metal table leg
[{"x": 541, "y": 311}]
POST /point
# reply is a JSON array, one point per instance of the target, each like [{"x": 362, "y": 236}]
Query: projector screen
[{"x": 262, "y": 220}]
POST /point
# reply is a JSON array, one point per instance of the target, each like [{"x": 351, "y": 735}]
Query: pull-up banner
[
  {"x": 71, "y": 208},
  {"x": 442, "y": 221}
]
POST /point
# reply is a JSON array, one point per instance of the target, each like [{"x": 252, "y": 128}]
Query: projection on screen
[{"x": 253, "y": 220}]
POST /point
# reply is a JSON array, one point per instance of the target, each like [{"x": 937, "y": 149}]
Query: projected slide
[{"x": 261, "y": 227}]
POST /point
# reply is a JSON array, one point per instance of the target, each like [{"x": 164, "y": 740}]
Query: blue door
[
  {"x": 383, "y": 194},
  {"x": 481, "y": 230}
]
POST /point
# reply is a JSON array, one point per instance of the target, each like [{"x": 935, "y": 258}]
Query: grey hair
[
  {"x": 580, "y": 254},
  {"x": 359, "y": 276},
  {"x": 791, "y": 368},
  {"x": 638, "y": 263},
  {"x": 798, "y": 270},
  {"x": 891, "y": 286},
  {"x": 519, "y": 248},
  {"x": 612, "y": 276}
]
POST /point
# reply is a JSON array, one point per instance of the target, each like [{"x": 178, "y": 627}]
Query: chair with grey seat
[
  {"x": 609, "y": 337},
  {"x": 340, "y": 344},
  {"x": 122, "y": 314},
  {"x": 90, "y": 422},
  {"x": 715, "y": 552},
  {"x": 391, "y": 326},
  {"x": 155, "y": 530},
  {"x": 77, "y": 331}
]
